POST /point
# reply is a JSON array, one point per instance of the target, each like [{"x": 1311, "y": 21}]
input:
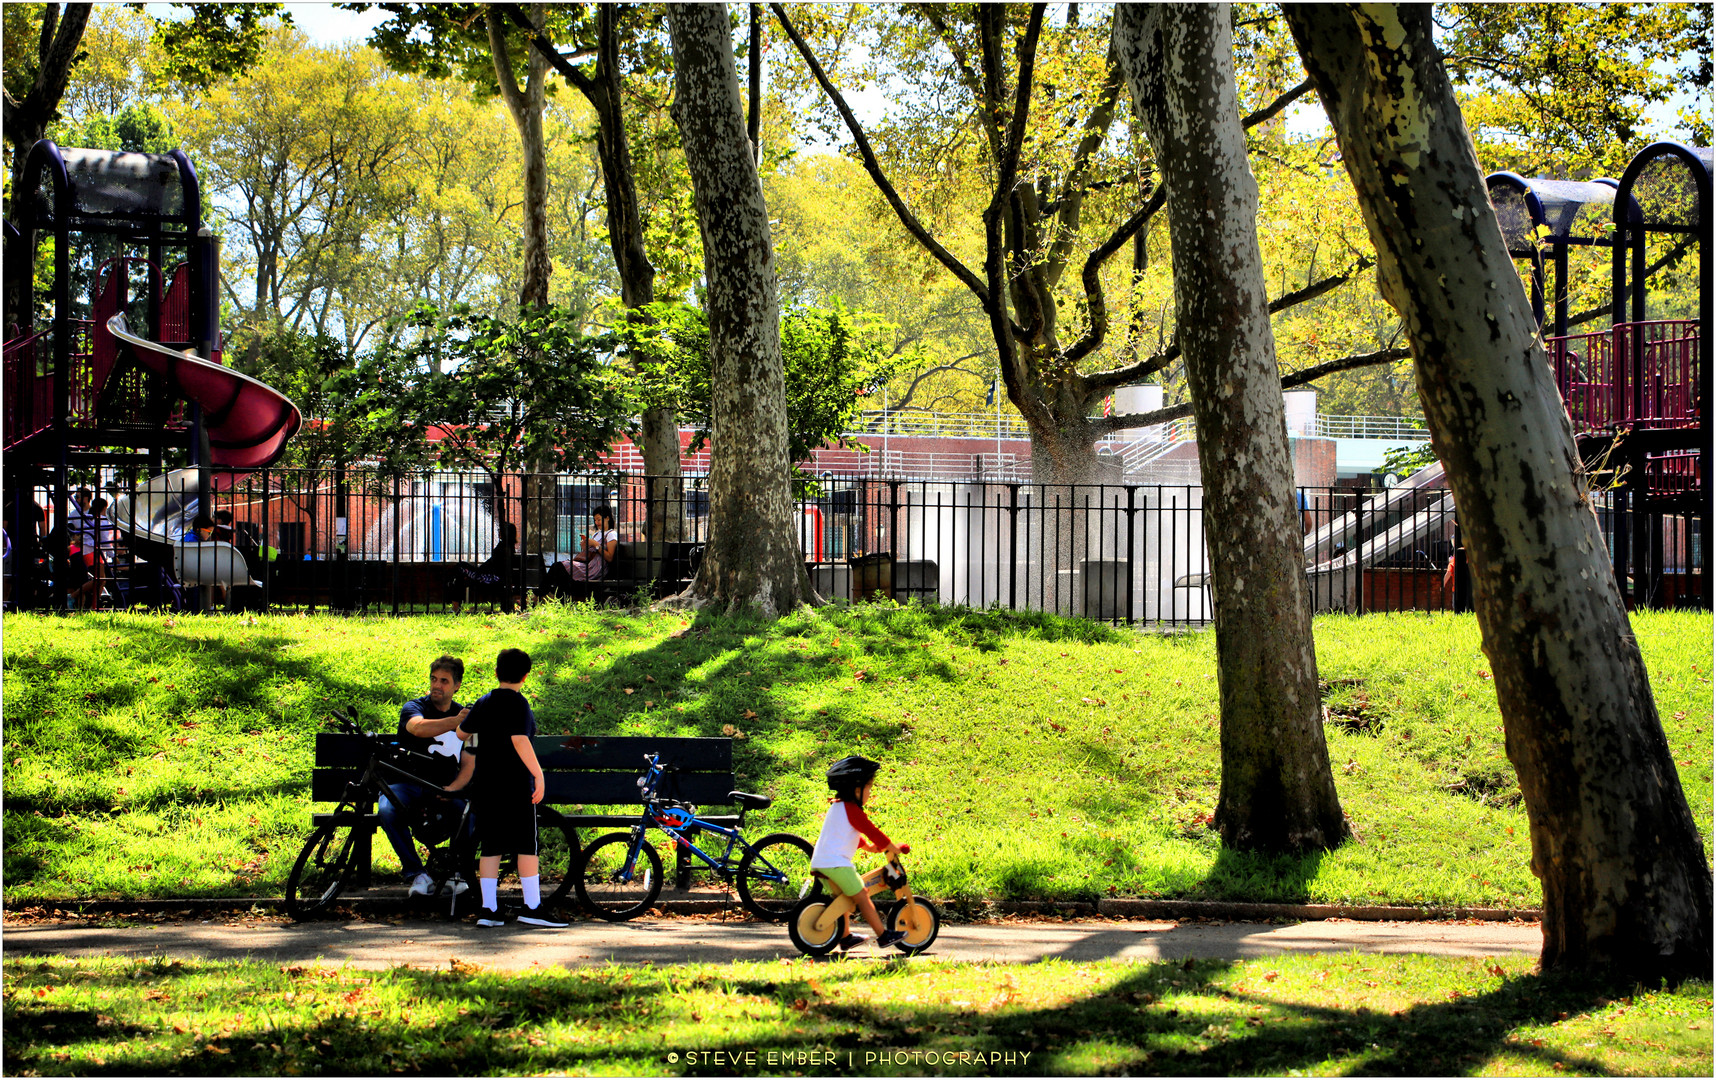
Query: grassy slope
[
  {"x": 1027, "y": 756},
  {"x": 1290, "y": 1015}
]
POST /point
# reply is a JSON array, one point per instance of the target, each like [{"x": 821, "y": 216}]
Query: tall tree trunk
[
  {"x": 753, "y": 558},
  {"x": 659, "y": 438},
  {"x": 541, "y": 483},
  {"x": 1277, "y": 792},
  {"x": 1625, "y": 882}
]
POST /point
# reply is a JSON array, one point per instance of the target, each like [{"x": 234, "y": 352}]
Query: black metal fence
[{"x": 356, "y": 541}]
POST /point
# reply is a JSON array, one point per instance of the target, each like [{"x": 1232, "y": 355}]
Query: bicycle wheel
[
  {"x": 609, "y": 888},
  {"x": 801, "y": 927},
  {"x": 918, "y": 919},
  {"x": 772, "y": 873},
  {"x": 322, "y": 870},
  {"x": 557, "y": 850}
]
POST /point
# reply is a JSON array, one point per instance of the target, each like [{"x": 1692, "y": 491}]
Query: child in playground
[
  {"x": 506, "y": 783},
  {"x": 845, "y": 829}
]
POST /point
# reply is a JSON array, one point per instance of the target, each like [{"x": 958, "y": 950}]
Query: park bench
[
  {"x": 662, "y": 567},
  {"x": 582, "y": 773}
]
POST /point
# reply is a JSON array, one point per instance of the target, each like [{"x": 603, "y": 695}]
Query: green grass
[
  {"x": 1028, "y": 757},
  {"x": 1313, "y": 1014}
]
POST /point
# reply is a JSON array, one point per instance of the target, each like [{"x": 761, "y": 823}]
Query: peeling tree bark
[
  {"x": 1625, "y": 882},
  {"x": 753, "y": 558},
  {"x": 1277, "y": 792}
]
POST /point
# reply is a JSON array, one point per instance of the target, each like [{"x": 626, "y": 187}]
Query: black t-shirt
[
  {"x": 495, "y": 718},
  {"x": 443, "y": 749}
]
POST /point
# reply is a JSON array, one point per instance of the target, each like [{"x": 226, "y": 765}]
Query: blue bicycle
[{"x": 619, "y": 875}]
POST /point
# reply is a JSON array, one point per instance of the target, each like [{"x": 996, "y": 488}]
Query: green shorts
[{"x": 845, "y": 878}]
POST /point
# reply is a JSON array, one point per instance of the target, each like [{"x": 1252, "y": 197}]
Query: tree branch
[
  {"x": 995, "y": 268},
  {"x": 874, "y": 168},
  {"x": 1178, "y": 412},
  {"x": 1271, "y": 110},
  {"x": 1095, "y": 299},
  {"x": 556, "y": 60}
]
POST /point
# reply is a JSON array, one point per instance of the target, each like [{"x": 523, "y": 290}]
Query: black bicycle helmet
[{"x": 848, "y": 776}]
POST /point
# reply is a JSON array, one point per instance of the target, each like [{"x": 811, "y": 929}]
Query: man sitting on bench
[{"x": 429, "y": 726}]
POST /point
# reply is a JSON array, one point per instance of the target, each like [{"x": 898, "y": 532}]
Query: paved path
[{"x": 380, "y": 944}]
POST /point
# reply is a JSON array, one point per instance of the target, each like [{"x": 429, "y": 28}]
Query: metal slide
[
  {"x": 162, "y": 510},
  {"x": 248, "y": 422},
  {"x": 1392, "y": 520}
]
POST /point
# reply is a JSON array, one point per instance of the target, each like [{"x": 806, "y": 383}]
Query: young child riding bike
[{"x": 845, "y": 829}]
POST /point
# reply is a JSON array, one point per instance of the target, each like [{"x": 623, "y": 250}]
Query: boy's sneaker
[
  {"x": 490, "y": 917},
  {"x": 536, "y": 916},
  {"x": 455, "y": 886},
  {"x": 850, "y": 942},
  {"x": 890, "y": 938},
  {"x": 421, "y": 885}
]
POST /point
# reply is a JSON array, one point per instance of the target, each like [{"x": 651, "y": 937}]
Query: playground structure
[
  {"x": 117, "y": 367},
  {"x": 1636, "y": 392}
]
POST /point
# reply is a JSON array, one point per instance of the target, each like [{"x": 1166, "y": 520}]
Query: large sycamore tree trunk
[
  {"x": 1625, "y": 882},
  {"x": 524, "y": 103},
  {"x": 1277, "y": 792},
  {"x": 753, "y": 559}
]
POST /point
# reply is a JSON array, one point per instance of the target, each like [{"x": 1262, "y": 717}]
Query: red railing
[
  {"x": 29, "y": 395},
  {"x": 1635, "y": 375},
  {"x": 1585, "y": 371}
]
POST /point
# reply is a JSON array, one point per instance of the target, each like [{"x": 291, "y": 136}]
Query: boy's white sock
[
  {"x": 491, "y": 888},
  {"x": 532, "y": 886}
]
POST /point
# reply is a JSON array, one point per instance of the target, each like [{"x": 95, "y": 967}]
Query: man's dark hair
[
  {"x": 223, "y": 517},
  {"x": 203, "y": 521},
  {"x": 512, "y": 665},
  {"x": 452, "y": 665}
]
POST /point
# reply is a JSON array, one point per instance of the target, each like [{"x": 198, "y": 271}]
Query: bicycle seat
[{"x": 750, "y": 802}]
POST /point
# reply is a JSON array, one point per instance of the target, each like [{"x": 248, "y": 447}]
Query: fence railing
[
  {"x": 355, "y": 541},
  {"x": 1371, "y": 427}
]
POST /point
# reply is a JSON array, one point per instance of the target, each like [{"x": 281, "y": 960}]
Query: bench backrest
[{"x": 593, "y": 771}]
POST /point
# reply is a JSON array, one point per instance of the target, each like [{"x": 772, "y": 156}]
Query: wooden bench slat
[
  {"x": 619, "y": 752},
  {"x": 589, "y": 788}
]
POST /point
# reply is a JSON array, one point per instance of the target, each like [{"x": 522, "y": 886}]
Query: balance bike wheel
[
  {"x": 918, "y": 919},
  {"x": 801, "y": 927}
]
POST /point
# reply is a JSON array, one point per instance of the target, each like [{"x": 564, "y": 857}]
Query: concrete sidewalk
[{"x": 431, "y": 943}]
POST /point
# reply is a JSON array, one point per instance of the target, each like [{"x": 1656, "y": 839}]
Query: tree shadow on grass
[
  {"x": 1261, "y": 878},
  {"x": 1164, "y": 1018}
]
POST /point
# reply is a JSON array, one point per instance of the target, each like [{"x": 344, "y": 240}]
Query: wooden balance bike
[{"x": 819, "y": 922}]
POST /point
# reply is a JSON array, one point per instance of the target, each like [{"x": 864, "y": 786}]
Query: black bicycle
[
  {"x": 328, "y": 860},
  {"x": 619, "y": 875}
]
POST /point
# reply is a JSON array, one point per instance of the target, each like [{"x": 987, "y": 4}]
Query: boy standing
[{"x": 506, "y": 785}]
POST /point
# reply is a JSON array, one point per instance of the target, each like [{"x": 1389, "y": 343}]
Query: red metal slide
[{"x": 248, "y": 422}]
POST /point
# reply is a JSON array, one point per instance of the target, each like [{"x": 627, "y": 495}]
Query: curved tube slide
[{"x": 248, "y": 422}]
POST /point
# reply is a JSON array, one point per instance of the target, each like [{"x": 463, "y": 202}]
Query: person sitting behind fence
[
  {"x": 491, "y": 575},
  {"x": 597, "y": 548}
]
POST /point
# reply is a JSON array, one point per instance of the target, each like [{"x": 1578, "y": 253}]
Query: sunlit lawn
[{"x": 1027, "y": 757}]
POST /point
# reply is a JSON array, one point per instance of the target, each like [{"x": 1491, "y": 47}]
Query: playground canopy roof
[
  {"x": 1551, "y": 211},
  {"x": 110, "y": 191},
  {"x": 1666, "y": 185}
]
